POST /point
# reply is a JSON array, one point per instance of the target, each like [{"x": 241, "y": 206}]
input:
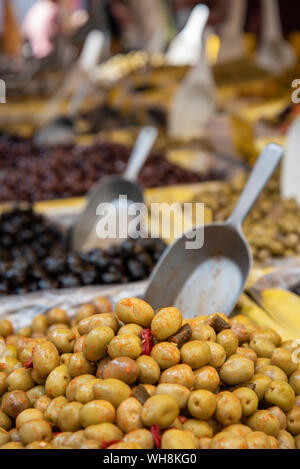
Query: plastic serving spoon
[
  {"x": 275, "y": 54},
  {"x": 111, "y": 188},
  {"x": 210, "y": 279}
]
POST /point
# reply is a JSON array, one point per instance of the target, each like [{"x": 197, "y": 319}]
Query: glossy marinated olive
[
  {"x": 285, "y": 440},
  {"x": 199, "y": 428},
  {"x": 39, "y": 323},
  {"x": 263, "y": 347},
  {"x": 280, "y": 415},
  {"x": 260, "y": 383},
  {"x": 258, "y": 440},
  {"x": 227, "y": 440},
  {"x": 129, "y": 415},
  {"x": 201, "y": 331},
  {"x": 112, "y": 390},
  {"x": 180, "y": 393},
  {"x": 248, "y": 399},
  {"x": 53, "y": 410},
  {"x": 228, "y": 409},
  {"x": 6, "y": 328},
  {"x": 122, "y": 368},
  {"x": 247, "y": 352},
  {"x": 68, "y": 419},
  {"x": 95, "y": 412},
  {"x": 45, "y": 358},
  {"x": 131, "y": 329},
  {"x": 85, "y": 392},
  {"x": 166, "y": 322},
  {"x": 218, "y": 355},
  {"x": 269, "y": 334},
  {"x": 166, "y": 354},
  {"x": 5, "y": 421},
  {"x": 281, "y": 394},
  {"x": 96, "y": 343},
  {"x": 237, "y": 370},
  {"x": 27, "y": 415},
  {"x": 63, "y": 339},
  {"x": 57, "y": 381},
  {"x": 102, "y": 305},
  {"x": 195, "y": 354},
  {"x": 79, "y": 365},
  {"x": 148, "y": 370},
  {"x": 206, "y": 378},
  {"x": 75, "y": 384},
  {"x": 294, "y": 381},
  {"x": 98, "y": 320},
  {"x": 293, "y": 420},
  {"x": 85, "y": 311},
  {"x": 103, "y": 432},
  {"x": 34, "y": 393},
  {"x": 228, "y": 340},
  {"x": 42, "y": 403},
  {"x": 14, "y": 402},
  {"x": 20, "y": 379},
  {"x": 57, "y": 315},
  {"x": 35, "y": 430},
  {"x": 134, "y": 310},
  {"x": 4, "y": 437},
  {"x": 283, "y": 359},
  {"x": 142, "y": 436},
  {"x": 264, "y": 421},
  {"x": 125, "y": 346},
  {"x": 179, "y": 439},
  {"x": 202, "y": 404},
  {"x": 160, "y": 410},
  {"x": 179, "y": 374}
]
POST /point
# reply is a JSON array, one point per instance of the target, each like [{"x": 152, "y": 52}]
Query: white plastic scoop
[
  {"x": 290, "y": 173},
  {"x": 231, "y": 34},
  {"x": 211, "y": 279},
  {"x": 275, "y": 54},
  {"x": 185, "y": 49}
]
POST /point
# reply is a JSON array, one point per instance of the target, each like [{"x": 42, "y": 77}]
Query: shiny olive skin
[
  {"x": 102, "y": 305},
  {"x": 57, "y": 381},
  {"x": 131, "y": 329},
  {"x": 166, "y": 322},
  {"x": 248, "y": 399},
  {"x": 258, "y": 440},
  {"x": 20, "y": 379},
  {"x": 166, "y": 354},
  {"x": 57, "y": 315},
  {"x": 285, "y": 440},
  {"x": 6, "y": 328},
  {"x": 179, "y": 374},
  {"x": 280, "y": 415},
  {"x": 103, "y": 432},
  {"x": 294, "y": 381},
  {"x": 68, "y": 419},
  {"x": 63, "y": 339},
  {"x": 260, "y": 383},
  {"x": 293, "y": 420},
  {"x": 129, "y": 415},
  {"x": 35, "y": 430},
  {"x": 5, "y": 421},
  {"x": 195, "y": 354},
  {"x": 263, "y": 347},
  {"x": 85, "y": 392},
  {"x": 247, "y": 352},
  {"x": 53, "y": 410},
  {"x": 75, "y": 384},
  {"x": 3, "y": 385},
  {"x": 95, "y": 412},
  {"x": 199, "y": 428},
  {"x": 180, "y": 393},
  {"x": 42, "y": 403},
  {"x": 79, "y": 365},
  {"x": 142, "y": 436},
  {"x": 148, "y": 370},
  {"x": 228, "y": 340},
  {"x": 34, "y": 393},
  {"x": 274, "y": 373},
  {"x": 264, "y": 421},
  {"x": 85, "y": 311},
  {"x": 125, "y": 346},
  {"x": 27, "y": 415},
  {"x": 4, "y": 437},
  {"x": 135, "y": 311},
  {"x": 207, "y": 377},
  {"x": 96, "y": 343},
  {"x": 14, "y": 402},
  {"x": 226, "y": 440},
  {"x": 45, "y": 358},
  {"x": 202, "y": 404},
  {"x": 160, "y": 410},
  {"x": 179, "y": 439},
  {"x": 123, "y": 368},
  {"x": 203, "y": 332},
  {"x": 218, "y": 355},
  {"x": 86, "y": 325},
  {"x": 281, "y": 394},
  {"x": 237, "y": 370},
  {"x": 283, "y": 359},
  {"x": 112, "y": 390},
  {"x": 228, "y": 409}
]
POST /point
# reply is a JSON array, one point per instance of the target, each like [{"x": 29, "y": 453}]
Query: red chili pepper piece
[
  {"x": 182, "y": 418},
  {"x": 106, "y": 444},
  {"x": 147, "y": 341},
  {"x": 156, "y": 433},
  {"x": 29, "y": 363}
]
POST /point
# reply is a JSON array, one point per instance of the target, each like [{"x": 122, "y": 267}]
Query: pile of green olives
[{"x": 135, "y": 378}]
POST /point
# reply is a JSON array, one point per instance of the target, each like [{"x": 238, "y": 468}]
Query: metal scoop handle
[
  {"x": 236, "y": 18},
  {"x": 263, "y": 170},
  {"x": 271, "y": 21},
  {"x": 140, "y": 152}
]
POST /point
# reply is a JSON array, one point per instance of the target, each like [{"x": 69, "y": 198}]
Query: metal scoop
[
  {"x": 211, "y": 279},
  {"x": 110, "y": 189}
]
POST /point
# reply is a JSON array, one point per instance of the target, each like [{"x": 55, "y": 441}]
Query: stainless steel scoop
[
  {"x": 211, "y": 279},
  {"x": 111, "y": 188}
]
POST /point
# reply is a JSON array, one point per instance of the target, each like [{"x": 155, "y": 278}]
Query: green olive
[
  {"x": 180, "y": 393},
  {"x": 264, "y": 421},
  {"x": 86, "y": 325},
  {"x": 112, "y": 390},
  {"x": 293, "y": 420},
  {"x": 34, "y": 393},
  {"x": 166, "y": 354},
  {"x": 131, "y": 329},
  {"x": 35, "y": 430},
  {"x": 283, "y": 359},
  {"x": 95, "y": 412},
  {"x": 56, "y": 316},
  {"x": 228, "y": 340},
  {"x": 281, "y": 394},
  {"x": 229, "y": 408},
  {"x": 142, "y": 436},
  {"x": 42, "y": 403},
  {"x": 227, "y": 440},
  {"x": 63, "y": 339},
  {"x": 179, "y": 374},
  {"x": 263, "y": 347},
  {"x": 179, "y": 439},
  {"x": 285, "y": 440},
  {"x": 199, "y": 428},
  {"x": 45, "y": 358},
  {"x": 85, "y": 311},
  {"x": 160, "y": 410},
  {"x": 20, "y": 379},
  {"x": 4, "y": 437},
  {"x": 68, "y": 419},
  {"x": 5, "y": 421},
  {"x": 96, "y": 343},
  {"x": 75, "y": 384},
  {"x": 195, "y": 354},
  {"x": 39, "y": 323},
  {"x": 166, "y": 322},
  {"x": 6, "y": 328},
  {"x": 79, "y": 365},
  {"x": 248, "y": 400},
  {"x": 27, "y": 415},
  {"x": 134, "y": 310},
  {"x": 103, "y": 432},
  {"x": 129, "y": 415},
  {"x": 201, "y": 331},
  {"x": 206, "y": 377},
  {"x": 123, "y": 368},
  {"x": 125, "y": 346},
  {"x": 148, "y": 370},
  {"x": 218, "y": 355},
  {"x": 260, "y": 383},
  {"x": 54, "y": 409},
  {"x": 237, "y": 370},
  {"x": 102, "y": 305},
  {"x": 14, "y": 402},
  {"x": 294, "y": 381},
  {"x": 57, "y": 381},
  {"x": 202, "y": 404}
]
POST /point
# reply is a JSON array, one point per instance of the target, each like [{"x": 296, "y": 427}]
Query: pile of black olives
[{"x": 35, "y": 255}]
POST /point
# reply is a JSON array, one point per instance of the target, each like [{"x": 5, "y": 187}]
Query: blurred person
[{"x": 43, "y": 26}]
